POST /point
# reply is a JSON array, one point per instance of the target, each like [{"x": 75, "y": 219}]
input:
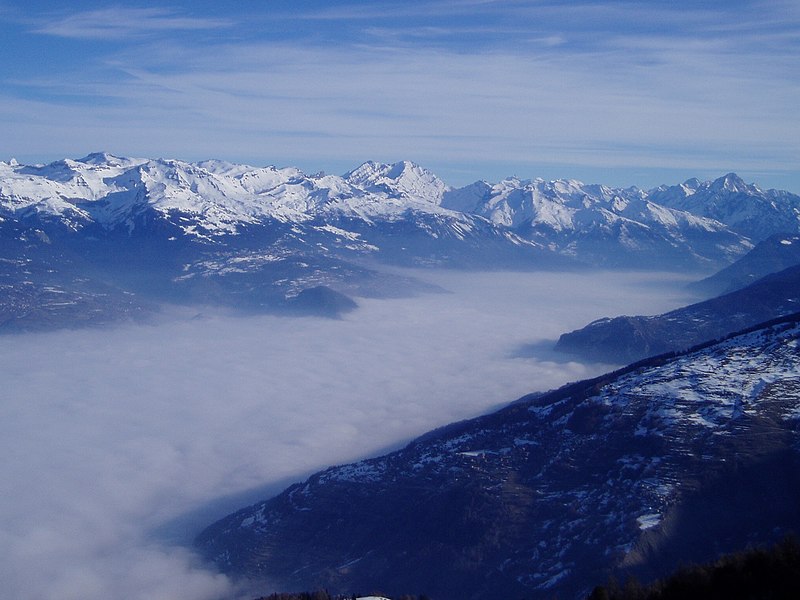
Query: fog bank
[{"x": 109, "y": 435}]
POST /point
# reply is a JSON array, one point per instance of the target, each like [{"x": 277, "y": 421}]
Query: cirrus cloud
[{"x": 124, "y": 22}]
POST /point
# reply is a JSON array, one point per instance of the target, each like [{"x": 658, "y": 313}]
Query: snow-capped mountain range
[
  {"x": 742, "y": 207},
  {"x": 705, "y": 223},
  {"x": 595, "y": 223},
  {"x": 670, "y": 460},
  {"x": 225, "y": 233},
  {"x": 214, "y": 198}
]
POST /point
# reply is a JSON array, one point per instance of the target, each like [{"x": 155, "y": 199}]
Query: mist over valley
[
  {"x": 420, "y": 300},
  {"x": 123, "y": 442},
  {"x": 181, "y": 340}
]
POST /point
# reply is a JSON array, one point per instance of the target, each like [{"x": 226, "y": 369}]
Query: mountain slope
[
  {"x": 256, "y": 237},
  {"x": 211, "y": 201},
  {"x": 548, "y": 495},
  {"x": 45, "y": 287},
  {"x": 233, "y": 235},
  {"x": 774, "y": 254},
  {"x": 216, "y": 202},
  {"x": 744, "y": 208},
  {"x": 600, "y": 225},
  {"x": 625, "y": 339}
]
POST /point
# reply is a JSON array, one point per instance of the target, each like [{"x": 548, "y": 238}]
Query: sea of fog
[{"x": 118, "y": 445}]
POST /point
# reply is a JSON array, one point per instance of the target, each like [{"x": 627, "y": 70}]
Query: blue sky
[{"x": 626, "y": 93}]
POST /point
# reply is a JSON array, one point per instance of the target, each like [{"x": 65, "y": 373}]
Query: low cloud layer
[{"x": 111, "y": 436}]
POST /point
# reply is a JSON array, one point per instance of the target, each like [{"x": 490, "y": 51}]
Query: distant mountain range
[
  {"x": 670, "y": 460},
  {"x": 664, "y": 461},
  {"x": 144, "y": 231},
  {"x": 744, "y": 208},
  {"x": 624, "y": 339},
  {"x": 604, "y": 226},
  {"x": 777, "y": 252}
]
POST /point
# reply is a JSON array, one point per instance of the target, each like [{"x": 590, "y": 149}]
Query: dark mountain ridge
[
  {"x": 625, "y": 339},
  {"x": 629, "y": 472},
  {"x": 777, "y": 252}
]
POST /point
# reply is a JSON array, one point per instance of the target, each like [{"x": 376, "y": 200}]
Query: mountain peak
[
  {"x": 105, "y": 160},
  {"x": 404, "y": 166},
  {"x": 365, "y": 171},
  {"x": 729, "y": 183},
  {"x": 370, "y": 170},
  {"x": 94, "y": 158},
  {"x": 692, "y": 184},
  {"x": 404, "y": 178}
]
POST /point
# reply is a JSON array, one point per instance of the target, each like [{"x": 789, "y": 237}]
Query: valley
[
  {"x": 124, "y": 442},
  {"x": 185, "y": 339}
]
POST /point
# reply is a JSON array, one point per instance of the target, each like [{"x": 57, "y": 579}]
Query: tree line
[{"x": 757, "y": 574}]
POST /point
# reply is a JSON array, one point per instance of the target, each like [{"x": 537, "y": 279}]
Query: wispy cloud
[
  {"x": 631, "y": 99},
  {"x": 393, "y": 10},
  {"x": 124, "y": 22},
  {"x": 525, "y": 83}
]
